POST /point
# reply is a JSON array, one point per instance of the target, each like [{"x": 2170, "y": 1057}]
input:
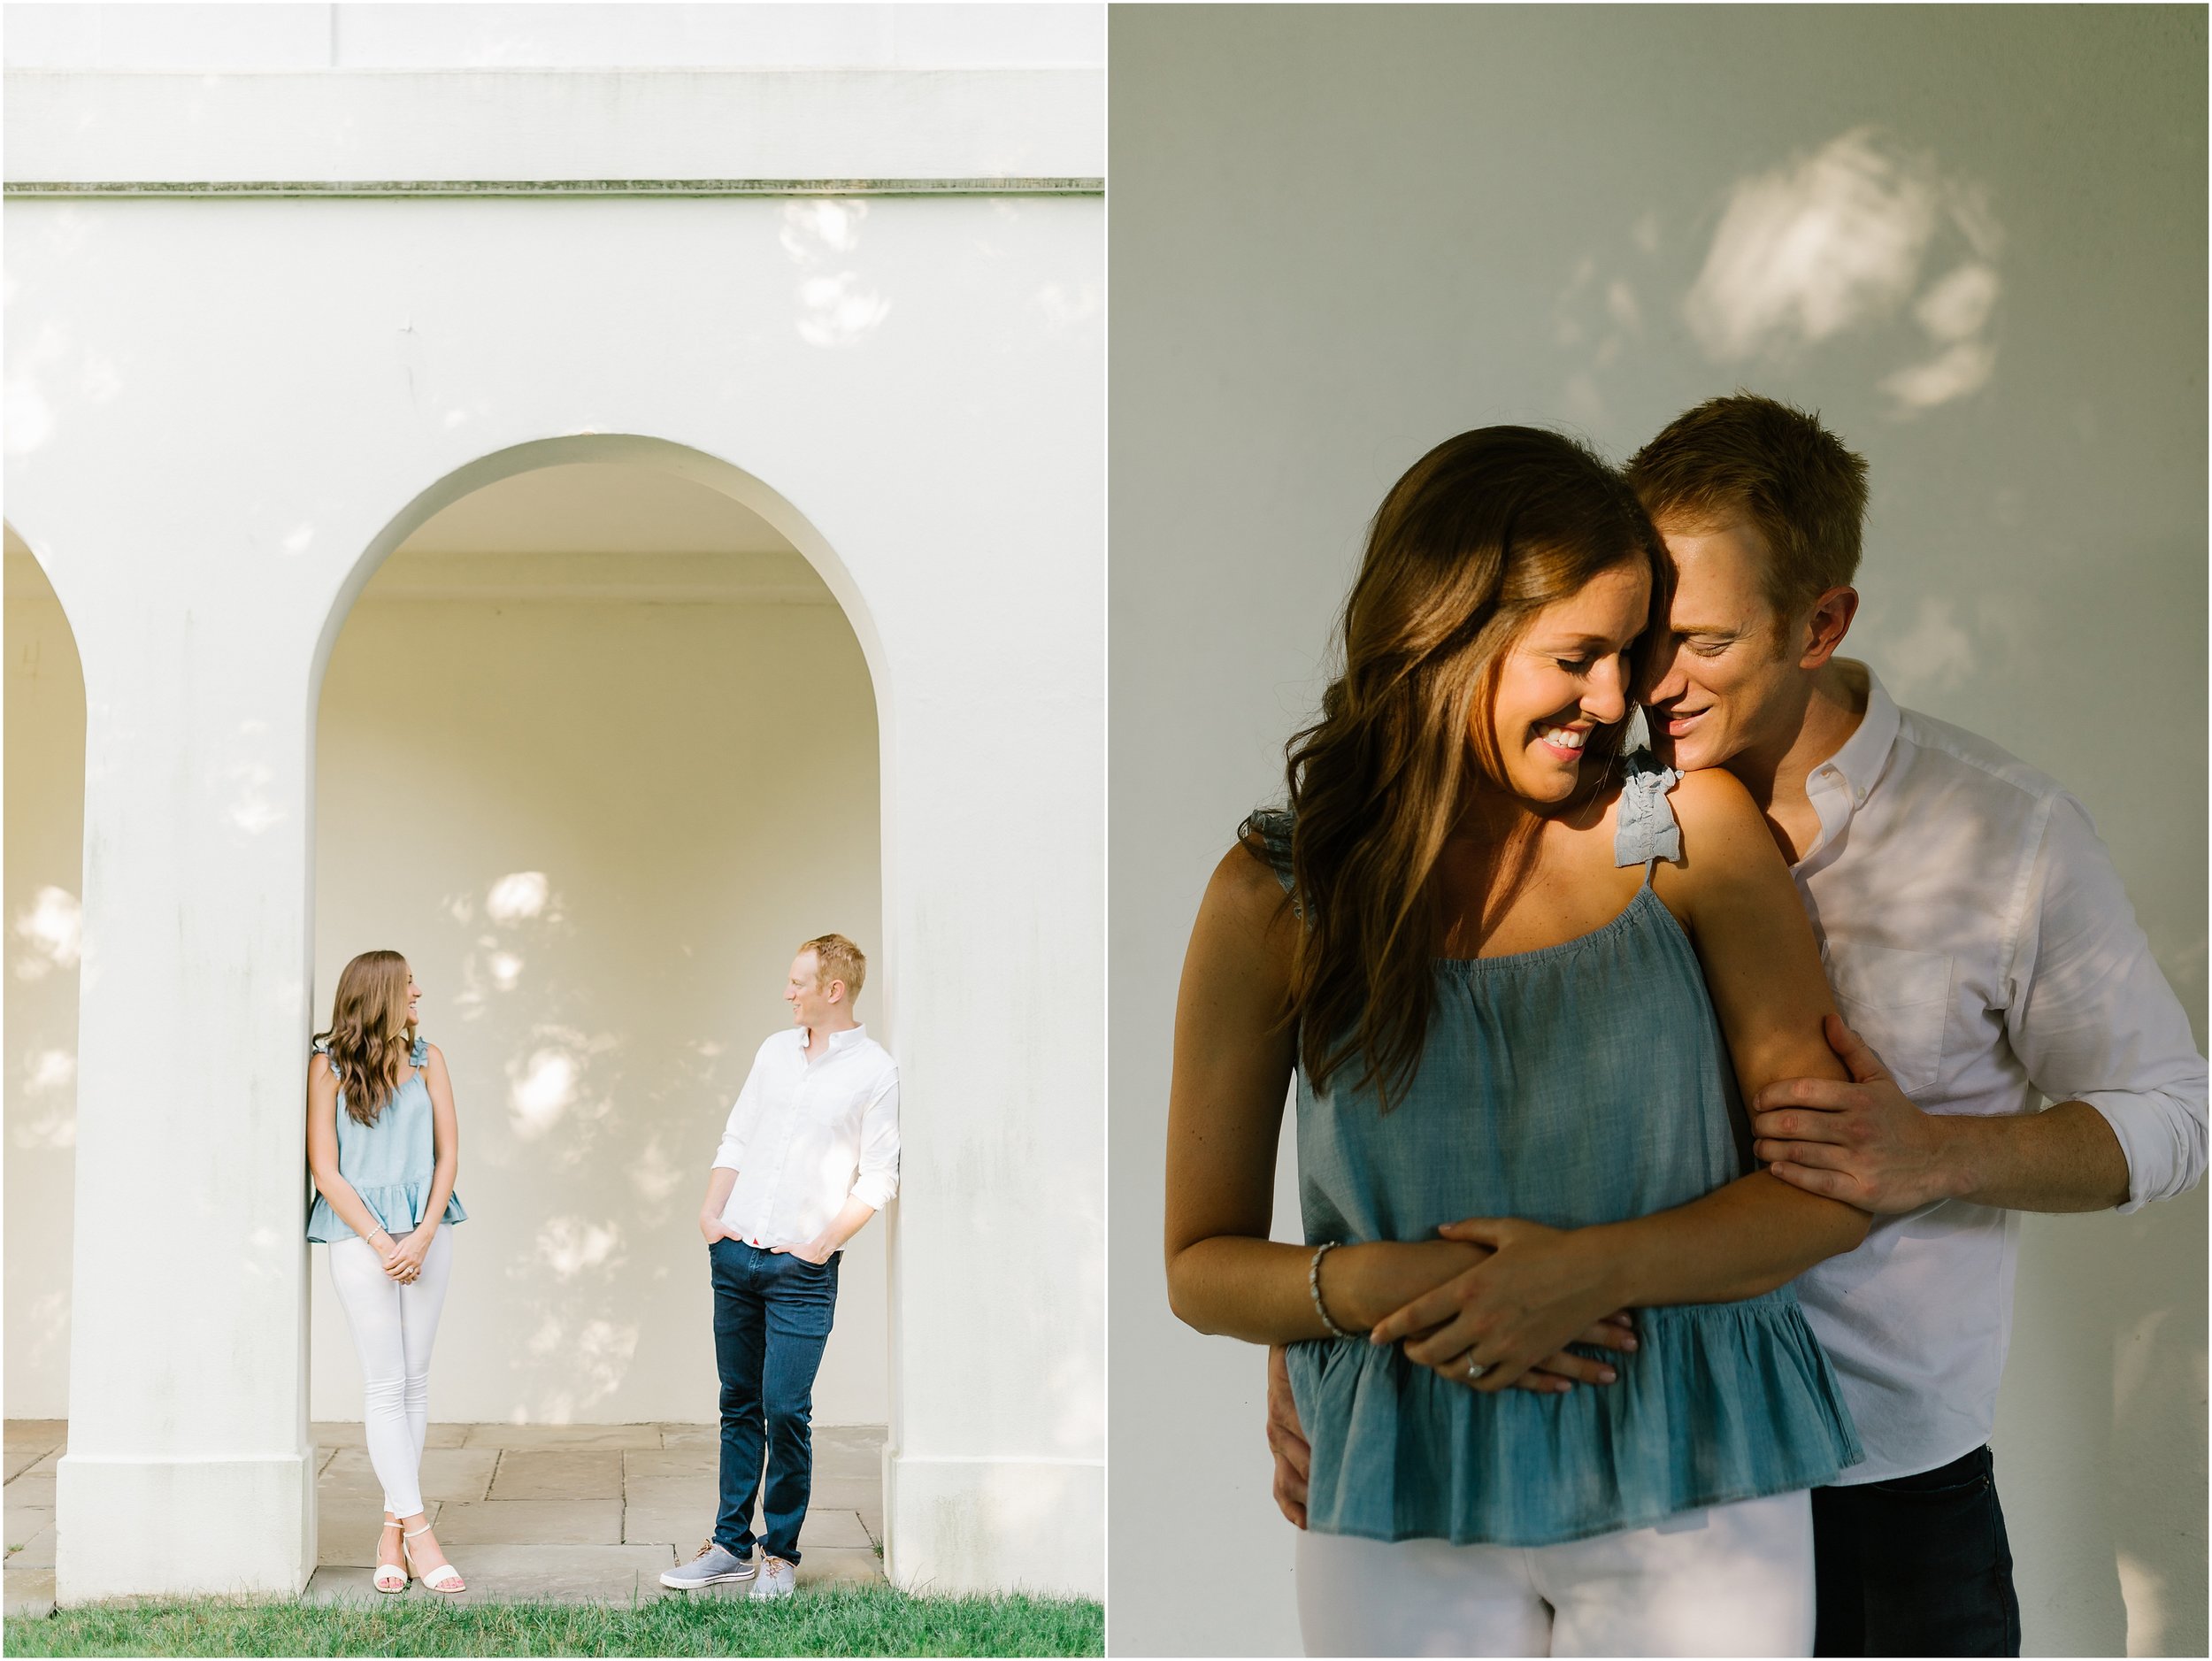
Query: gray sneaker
[
  {"x": 778, "y": 1578},
  {"x": 714, "y": 1565}
]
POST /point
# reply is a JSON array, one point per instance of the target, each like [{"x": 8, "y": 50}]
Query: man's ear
[
  {"x": 1825, "y": 626},
  {"x": 834, "y": 993}
]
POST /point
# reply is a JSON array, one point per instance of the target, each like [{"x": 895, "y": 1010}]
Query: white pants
[
  {"x": 1727, "y": 1581},
  {"x": 393, "y": 1326}
]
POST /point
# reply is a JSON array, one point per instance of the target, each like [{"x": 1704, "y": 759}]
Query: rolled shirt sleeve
[
  {"x": 2092, "y": 1019},
  {"x": 877, "y": 1177}
]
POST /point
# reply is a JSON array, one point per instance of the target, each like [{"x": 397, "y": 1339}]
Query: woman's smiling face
[{"x": 1567, "y": 675}]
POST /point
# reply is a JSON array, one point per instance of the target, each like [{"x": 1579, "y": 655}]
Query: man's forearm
[
  {"x": 1746, "y": 1238},
  {"x": 848, "y": 1222},
  {"x": 720, "y": 1181},
  {"x": 2065, "y": 1158}
]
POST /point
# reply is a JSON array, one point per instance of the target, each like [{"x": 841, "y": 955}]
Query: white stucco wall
[
  {"x": 1342, "y": 233},
  {"x": 579, "y": 36},
  {"x": 911, "y": 391},
  {"x": 44, "y": 876}
]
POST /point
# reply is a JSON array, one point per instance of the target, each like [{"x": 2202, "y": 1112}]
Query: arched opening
[
  {"x": 40, "y": 892},
  {"x": 596, "y": 746}
]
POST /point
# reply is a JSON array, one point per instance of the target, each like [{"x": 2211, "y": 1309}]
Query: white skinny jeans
[
  {"x": 1733, "y": 1579},
  {"x": 393, "y": 1326}
]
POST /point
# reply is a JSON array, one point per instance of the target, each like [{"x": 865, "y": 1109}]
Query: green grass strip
[{"x": 836, "y": 1620}]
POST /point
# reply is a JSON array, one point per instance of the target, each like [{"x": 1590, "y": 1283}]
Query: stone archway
[{"x": 600, "y": 654}]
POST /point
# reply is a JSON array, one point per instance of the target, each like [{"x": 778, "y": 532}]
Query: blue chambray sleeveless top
[
  {"x": 391, "y": 1163},
  {"x": 1577, "y": 1084}
]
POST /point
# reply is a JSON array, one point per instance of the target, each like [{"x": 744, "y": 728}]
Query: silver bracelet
[{"x": 1313, "y": 1285}]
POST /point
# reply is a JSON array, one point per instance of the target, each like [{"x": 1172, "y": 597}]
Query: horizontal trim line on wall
[
  {"x": 627, "y": 594},
  {"x": 355, "y": 189}
]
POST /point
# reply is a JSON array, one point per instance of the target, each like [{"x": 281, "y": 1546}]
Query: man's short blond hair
[
  {"x": 840, "y": 960},
  {"x": 1771, "y": 463}
]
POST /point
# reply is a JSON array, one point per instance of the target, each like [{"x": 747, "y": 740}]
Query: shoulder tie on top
[{"x": 1645, "y": 827}]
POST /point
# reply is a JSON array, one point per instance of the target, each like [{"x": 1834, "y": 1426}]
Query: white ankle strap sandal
[
  {"x": 391, "y": 1577},
  {"x": 444, "y": 1578}
]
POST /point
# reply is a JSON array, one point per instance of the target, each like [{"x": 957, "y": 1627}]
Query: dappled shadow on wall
[
  {"x": 1846, "y": 243},
  {"x": 568, "y": 1276},
  {"x": 1865, "y": 257},
  {"x": 837, "y": 307}
]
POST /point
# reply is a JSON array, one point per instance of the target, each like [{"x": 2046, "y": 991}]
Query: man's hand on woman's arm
[
  {"x": 1866, "y": 1143},
  {"x": 1287, "y": 1440}
]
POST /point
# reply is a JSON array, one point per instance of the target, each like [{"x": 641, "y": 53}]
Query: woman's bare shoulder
[
  {"x": 1724, "y": 836},
  {"x": 1714, "y": 801},
  {"x": 1244, "y": 888},
  {"x": 1245, "y": 925}
]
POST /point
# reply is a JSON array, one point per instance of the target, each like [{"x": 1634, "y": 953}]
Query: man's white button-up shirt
[
  {"x": 1978, "y": 938},
  {"x": 805, "y": 1136}
]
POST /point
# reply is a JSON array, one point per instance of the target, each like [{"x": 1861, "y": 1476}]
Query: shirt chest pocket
[{"x": 1898, "y": 1002}]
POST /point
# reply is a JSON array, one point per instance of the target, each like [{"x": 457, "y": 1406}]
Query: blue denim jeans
[
  {"x": 772, "y": 1317},
  {"x": 1917, "y": 1565}
]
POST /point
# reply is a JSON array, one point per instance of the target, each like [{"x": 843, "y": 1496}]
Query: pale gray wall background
[{"x": 1340, "y": 234}]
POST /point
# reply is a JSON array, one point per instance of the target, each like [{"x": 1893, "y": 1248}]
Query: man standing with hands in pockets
[{"x": 810, "y": 1153}]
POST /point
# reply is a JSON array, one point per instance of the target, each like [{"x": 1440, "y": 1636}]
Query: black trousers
[{"x": 1918, "y": 1566}]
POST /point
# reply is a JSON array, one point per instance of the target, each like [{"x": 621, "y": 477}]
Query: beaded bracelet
[{"x": 1313, "y": 1285}]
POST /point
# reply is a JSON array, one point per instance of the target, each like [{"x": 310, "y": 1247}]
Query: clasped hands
[
  {"x": 403, "y": 1262},
  {"x": 1532, "y": 1291}
]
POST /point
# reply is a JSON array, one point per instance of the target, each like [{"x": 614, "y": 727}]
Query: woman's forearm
[
  {"x": 1545, "y": 1285},
  {"x": 442, "y": 1178},
  {"x": 1748, "y": 1237},
  {"x": 352, "y": 1210},
  {"x": 1258, "y": 1290}
]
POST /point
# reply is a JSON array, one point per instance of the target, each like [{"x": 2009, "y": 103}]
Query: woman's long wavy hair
[
  {"x": 371, "y": 1033},
  {"x": 1481, "y": 533}
]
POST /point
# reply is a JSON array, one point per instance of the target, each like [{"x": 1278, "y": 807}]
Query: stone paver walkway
[
  {"x": 33, "y": 1447},
  {"x": 566, "y": 1513}
]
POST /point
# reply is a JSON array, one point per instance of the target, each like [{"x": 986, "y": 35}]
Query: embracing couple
[
  {"x": 1647, "y": 1307},
  {"x": 810, "y": 1153}
]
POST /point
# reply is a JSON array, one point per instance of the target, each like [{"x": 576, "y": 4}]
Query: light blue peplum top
[
  {"x": 1578, "y": 1084},
  {"x": 391, "y": 1163}
]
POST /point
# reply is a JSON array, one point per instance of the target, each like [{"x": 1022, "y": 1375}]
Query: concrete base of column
[
  {"x": 961, "y": 1526},
  {"x": 148, "y": 1527}
]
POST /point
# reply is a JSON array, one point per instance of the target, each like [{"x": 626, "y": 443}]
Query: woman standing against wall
[{"x": 384, "y": 1147}]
